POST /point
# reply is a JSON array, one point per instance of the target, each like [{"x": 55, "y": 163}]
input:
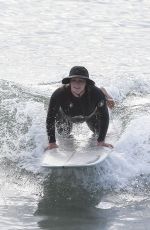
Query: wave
[
  {"x": 130, "y": 158},
  {"x": 22, "y": 121},
  {"x": 128, "y": 85},
  {"x": 23, "y": 134}
]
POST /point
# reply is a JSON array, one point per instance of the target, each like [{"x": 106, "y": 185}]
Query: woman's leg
[
  {"x": 99, "y": 124},
  {"x": 94, "y": 124},
  {"x": 63, "y": 125}
]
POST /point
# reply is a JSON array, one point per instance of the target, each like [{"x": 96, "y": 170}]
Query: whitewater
[{"x": 40, "y": 42}]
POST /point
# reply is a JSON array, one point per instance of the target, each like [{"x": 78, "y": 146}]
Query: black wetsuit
[{"x": 66, "y": 109}]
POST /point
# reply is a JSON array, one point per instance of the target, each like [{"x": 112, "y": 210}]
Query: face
[{"x": 77, "y": 85}]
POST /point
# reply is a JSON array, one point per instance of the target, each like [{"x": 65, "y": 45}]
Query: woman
[{"x": 78, "y": 100}]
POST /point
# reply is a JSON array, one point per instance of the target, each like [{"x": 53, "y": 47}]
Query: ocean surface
[{"x": 39, "y": 42}]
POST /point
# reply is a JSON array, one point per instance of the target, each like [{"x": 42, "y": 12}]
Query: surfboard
[{"x": 56, "y": 158}]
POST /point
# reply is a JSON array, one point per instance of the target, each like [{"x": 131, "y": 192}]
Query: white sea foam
[
  {"x": 131, "y": 156},
  {"x": 35, "y": 139}
]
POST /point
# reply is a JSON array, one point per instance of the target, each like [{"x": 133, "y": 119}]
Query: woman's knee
[{"x": 93, "y": 125}]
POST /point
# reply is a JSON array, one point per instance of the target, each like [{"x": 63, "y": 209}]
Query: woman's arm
[{"x": 51, "y": 117}]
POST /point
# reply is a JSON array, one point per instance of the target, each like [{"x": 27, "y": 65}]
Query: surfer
[{"x": 78, "y": 100}]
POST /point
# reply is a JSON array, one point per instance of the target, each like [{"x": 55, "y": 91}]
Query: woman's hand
[
  {"x": 110, "y": 103},
  {"x": 51, "y": 146},
  {"x": 110, "y": 100},
  {"x": 103, "y": 144}
]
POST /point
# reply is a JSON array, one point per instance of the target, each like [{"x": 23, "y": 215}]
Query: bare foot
[
  {"x": 51, "y": 146},
  {"x": 103, "y": 144}
]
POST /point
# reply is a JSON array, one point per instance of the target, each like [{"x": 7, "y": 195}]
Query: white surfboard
[{"x": 56, "y": 158}]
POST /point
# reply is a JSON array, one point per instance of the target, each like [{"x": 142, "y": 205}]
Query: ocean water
[{"x": 40, "y": 41}]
